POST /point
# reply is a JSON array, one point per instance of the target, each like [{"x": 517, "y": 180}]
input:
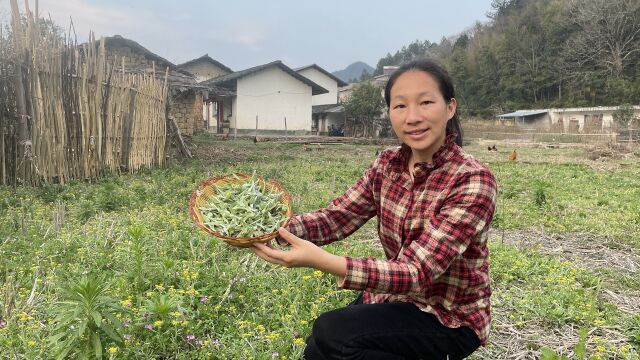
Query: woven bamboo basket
[{"x": 204, "y": 191}]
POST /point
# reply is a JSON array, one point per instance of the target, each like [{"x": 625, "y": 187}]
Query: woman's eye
[
  {"x": 398, "y": 106},
  {"x": 426, "y": 102}
]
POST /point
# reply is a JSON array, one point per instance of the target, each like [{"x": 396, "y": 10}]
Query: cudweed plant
[
  {"x": 85, "y": 321},
  {"x": 137, "y": 254}
]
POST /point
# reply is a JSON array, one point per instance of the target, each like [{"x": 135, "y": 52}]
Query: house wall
[
  {"x": 132, "y": 58},
  {"x": 326, "y": 82},
  {"x": 205, "y": 70},
  {"x": 582, "y": 120},
  {"x": 272, "y": 94},
  {"x": 186, "y": 108}
]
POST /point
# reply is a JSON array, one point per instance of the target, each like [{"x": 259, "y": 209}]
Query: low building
[
  {"x": 568, "y": 120},
  {"x": 327, "y": 113},
  {"x": 186, "y": 96},
  {"x": 268, "y": 99},
  {"x": 217, "y": 106}
]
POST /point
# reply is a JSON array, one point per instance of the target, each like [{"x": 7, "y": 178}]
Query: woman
[{"x": 429, "y": 299}]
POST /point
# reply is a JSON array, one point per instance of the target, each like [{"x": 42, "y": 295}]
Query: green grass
[{"x": 203, "y": 299}]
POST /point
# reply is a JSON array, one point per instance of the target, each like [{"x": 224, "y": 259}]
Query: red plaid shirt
[{"x": 433, "y": 231}]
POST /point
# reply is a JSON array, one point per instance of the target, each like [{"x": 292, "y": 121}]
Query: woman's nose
[{"x": 413, "y": 114}]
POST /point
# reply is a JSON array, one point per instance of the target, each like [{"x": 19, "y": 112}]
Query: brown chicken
[{"x": 513, "y": 156}]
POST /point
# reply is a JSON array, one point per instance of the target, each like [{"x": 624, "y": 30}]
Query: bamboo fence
[{"x": 68, "y": 114}]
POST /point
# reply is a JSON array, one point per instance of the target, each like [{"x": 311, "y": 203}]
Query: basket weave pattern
[{"x": 203, "y": 192}]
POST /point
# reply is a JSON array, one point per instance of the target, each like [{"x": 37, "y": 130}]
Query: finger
[
  {"x": 287, "y": 236},
  {"x": 269, "y": 251},
  {"x": 261, "y": 254}
]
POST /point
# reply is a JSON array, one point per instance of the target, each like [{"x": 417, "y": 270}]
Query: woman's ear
[{"x": 452, "y": 105}]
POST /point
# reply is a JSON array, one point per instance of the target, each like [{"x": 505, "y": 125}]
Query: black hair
[{"x": 445, "y": 85}]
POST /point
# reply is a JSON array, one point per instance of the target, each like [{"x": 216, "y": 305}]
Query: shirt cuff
[
  {"x": 357, "y": 277},
  {"x": 296, "y": 227}
]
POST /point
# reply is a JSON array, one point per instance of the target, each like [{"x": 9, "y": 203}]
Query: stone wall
[{"x": 186, "y": 108}]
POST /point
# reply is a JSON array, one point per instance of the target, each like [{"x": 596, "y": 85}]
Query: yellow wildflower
[
  {"x": 158, "y": 323},
  {"x": 112, "y": 350},
  {"x": 298, "y": 341},
  {"x": 317, "y": 273}
]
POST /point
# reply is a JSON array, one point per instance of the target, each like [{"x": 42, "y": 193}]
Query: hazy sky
[{"x": 242, "y": 34}]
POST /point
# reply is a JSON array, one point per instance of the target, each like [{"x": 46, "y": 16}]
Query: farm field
[{"x": 123, "y": 257}]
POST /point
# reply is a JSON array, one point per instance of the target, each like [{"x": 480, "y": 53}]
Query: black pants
[{"x": 393, "y": 330}]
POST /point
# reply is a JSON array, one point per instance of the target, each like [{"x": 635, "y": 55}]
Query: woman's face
[{"x": 419, "y": 113}]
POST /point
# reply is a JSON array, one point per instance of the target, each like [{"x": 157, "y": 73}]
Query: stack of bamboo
[{"x": 69, "y": 114}]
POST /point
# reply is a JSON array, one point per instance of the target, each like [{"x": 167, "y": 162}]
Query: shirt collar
[{"x": 444, "y": 154}]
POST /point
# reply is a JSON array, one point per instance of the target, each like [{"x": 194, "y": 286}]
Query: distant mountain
[{"x": 353, "y": 71}]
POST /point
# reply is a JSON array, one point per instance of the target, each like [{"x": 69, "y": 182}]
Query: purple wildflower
[
  {"x": 149, "y": 326},
  {"x": 190, "y": 338},
  {"x": 127, "y": 337},
  {"x": 204, "y": 299},
  {"x": 3, "y": 323},
  {"x": 294, "y": 334},
  {"x": 199, "y": 342},
  {"x": 215, "y": 343},
  {"x": 274, "y": 354}
]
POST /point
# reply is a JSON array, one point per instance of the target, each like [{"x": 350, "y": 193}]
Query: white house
[
  {"x": 326, "y": 112},
  {"x": 267, "y": 99}
]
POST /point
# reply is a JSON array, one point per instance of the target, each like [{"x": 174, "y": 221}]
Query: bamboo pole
[{"x": 24, "y": 159}]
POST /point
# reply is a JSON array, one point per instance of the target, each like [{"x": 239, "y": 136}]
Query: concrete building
[
  {"x": 326, "y": 112},
  {"x": 568, "y": 120},
  {"x": 267, "y": 99}
]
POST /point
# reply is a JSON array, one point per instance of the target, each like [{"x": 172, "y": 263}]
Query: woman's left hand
[{"x": 302, "y": 253}]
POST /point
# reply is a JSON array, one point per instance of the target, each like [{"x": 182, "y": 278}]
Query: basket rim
[{"x": 238, "y": 240}]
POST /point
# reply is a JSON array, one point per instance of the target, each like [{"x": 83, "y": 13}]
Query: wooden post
[
  {"x": 285, "y": 127},
  {"x": 256, "y": 125}
]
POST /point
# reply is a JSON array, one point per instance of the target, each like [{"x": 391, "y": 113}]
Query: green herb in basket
[{"x": 246, "y": 209}]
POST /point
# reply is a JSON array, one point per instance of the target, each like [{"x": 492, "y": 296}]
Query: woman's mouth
[{"x": 416, "y": 134}]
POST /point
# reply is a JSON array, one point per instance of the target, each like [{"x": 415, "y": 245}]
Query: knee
[{"x": 326, "y": 332}]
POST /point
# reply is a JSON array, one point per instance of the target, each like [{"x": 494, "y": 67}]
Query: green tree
[
  {"x": 623, "y": 115},
  {"x": 363, "y": 110}
]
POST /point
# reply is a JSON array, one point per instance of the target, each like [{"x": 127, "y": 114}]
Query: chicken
[
  {"x": 513, "y": 156},
  {"x": 494, "y": 148},
  {"x": 225, "y": 136},
  {"x": 306, "y": 148},
  {"x": 255, "y": 140}
]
